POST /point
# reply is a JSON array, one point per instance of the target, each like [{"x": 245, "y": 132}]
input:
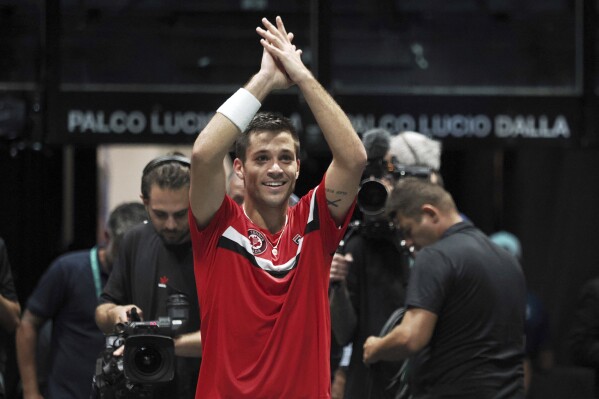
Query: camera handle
[{"x": 133, "y": 315}]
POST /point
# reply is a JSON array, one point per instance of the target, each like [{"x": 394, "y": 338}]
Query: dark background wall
[{"x": 413, "y": 57}]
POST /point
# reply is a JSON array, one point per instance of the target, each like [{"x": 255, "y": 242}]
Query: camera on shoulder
[
  {"x": 374, "y": 191},
  {"x": 149, "y": 355}
]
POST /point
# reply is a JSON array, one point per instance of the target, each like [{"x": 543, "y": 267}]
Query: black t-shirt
[
  {"x": 146, "y": 272},
  {"x": 478, "y": 292}
]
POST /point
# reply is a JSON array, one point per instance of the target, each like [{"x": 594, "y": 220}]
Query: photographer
[
  {"x": 370, "y": 274},
  {"x": 466, "y": 299},
  {"x": 155, "y": 261}
]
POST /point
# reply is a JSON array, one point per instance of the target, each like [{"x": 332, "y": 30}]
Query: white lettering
[
  {"x": 189, "y": 122},
  {"x": 561, "y": 128},
  {"x": 136, "y": 122},
  {"x": 88, "y": 122},
  {"x": 457, "y": 125},
  {"x": 155, "y": 125},
  {"x": 531, "y": 127},
  {"x": 75, "y": 120},
  {"x": 117, "y": 122}
]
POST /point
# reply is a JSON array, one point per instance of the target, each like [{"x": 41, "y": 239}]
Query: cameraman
[
  {"x": 369, "y": 276},
  {"x": 154, "y": 262}
]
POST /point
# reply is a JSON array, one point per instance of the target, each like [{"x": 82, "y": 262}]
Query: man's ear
[
  {"x": 145, "y": 200},
  {"x": 298, "y": 169},
  {"x": 238, "y": 168},
  {"x": 431, "y": 211}
]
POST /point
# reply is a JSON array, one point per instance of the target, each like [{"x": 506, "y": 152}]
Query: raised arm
[
  {"x": 349, "y": 154},
  {"x": 208, "y": 179}
]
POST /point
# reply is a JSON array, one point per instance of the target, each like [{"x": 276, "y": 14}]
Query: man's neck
[
  {"x": 271, "y": 219},
  {"x": 103, "y": 260},
  {"x": 450, "y": 220}
]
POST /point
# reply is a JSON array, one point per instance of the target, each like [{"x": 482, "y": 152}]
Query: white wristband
[{"x": 240, "y": 108}]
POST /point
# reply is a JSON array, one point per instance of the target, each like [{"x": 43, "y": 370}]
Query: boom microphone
[{"x": 377, "y": 142}]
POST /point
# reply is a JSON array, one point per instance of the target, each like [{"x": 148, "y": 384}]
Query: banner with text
[{"x": 96, "y": 118}]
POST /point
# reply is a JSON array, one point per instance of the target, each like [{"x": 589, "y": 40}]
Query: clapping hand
[{"x": 281, "y": 59}]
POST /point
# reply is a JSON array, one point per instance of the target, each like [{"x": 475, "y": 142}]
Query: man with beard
[{"x": 155, "y": 261}]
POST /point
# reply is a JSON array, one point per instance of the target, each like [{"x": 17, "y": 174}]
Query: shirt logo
[
  {"x": 297, "y": 239},
  {"x": 257, "y": 240},
  {"x": 162, "y": 281}
]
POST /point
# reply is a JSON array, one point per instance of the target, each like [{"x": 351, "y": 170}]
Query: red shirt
[{"x": 265, "y": 320}]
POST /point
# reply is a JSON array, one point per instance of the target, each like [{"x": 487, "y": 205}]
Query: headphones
[{"x": 156, "y": 162}]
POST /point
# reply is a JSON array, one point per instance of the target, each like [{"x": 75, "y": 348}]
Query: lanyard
[{"x": 93, "y": 258}]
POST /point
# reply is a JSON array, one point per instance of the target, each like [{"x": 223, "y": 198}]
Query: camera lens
[
  {"x": 372, "y": 197},
  {"x": 147, "y": 359}
]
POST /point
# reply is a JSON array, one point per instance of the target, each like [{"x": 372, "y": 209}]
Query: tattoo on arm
[
  {"x": 337, "y": 192},
  {"x": 333, "y": 203}
]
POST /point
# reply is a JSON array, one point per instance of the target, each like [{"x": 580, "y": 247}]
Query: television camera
[
  {"x": 374, "y": 190},
  {"x": 149, "y": 355},
  {"x": 378, "y": 179}
]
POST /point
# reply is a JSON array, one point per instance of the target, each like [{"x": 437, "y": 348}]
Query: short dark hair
[
  {"x": 170, "y": 172},
  {"x": 121, "y": 220},
  {"x": 124, "y": 216},
  {"x": 411, "y": 193},
  {"x": 269, "y": 122}
]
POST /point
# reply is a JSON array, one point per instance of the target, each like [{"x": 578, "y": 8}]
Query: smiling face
[{"x": 270, "y": 169}]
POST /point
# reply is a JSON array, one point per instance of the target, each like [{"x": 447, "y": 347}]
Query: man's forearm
[
  {"x": 334, "y": 123},
  {"x": 104, "y": 320},
  {"x": 221, "y": 132},
  {"x": 189, "y": 345},
  {"x": 9, "y": 314},
  {"x": 26, "y": 343},
  {"x": 343, "y": 315}
]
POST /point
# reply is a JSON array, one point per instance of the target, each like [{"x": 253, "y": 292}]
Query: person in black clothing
[
  {"x": 155, "y": 261},
  {"x": 9, "y": 310},
  {"x": 370, "y": 273},
  {"x": 67, "y": 296},
  {"x": 466, "y": 300},
  {"x": 584, "y": 333}
]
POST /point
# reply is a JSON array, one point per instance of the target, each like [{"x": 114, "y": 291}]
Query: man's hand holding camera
[{"x": 125, "y": 313}]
